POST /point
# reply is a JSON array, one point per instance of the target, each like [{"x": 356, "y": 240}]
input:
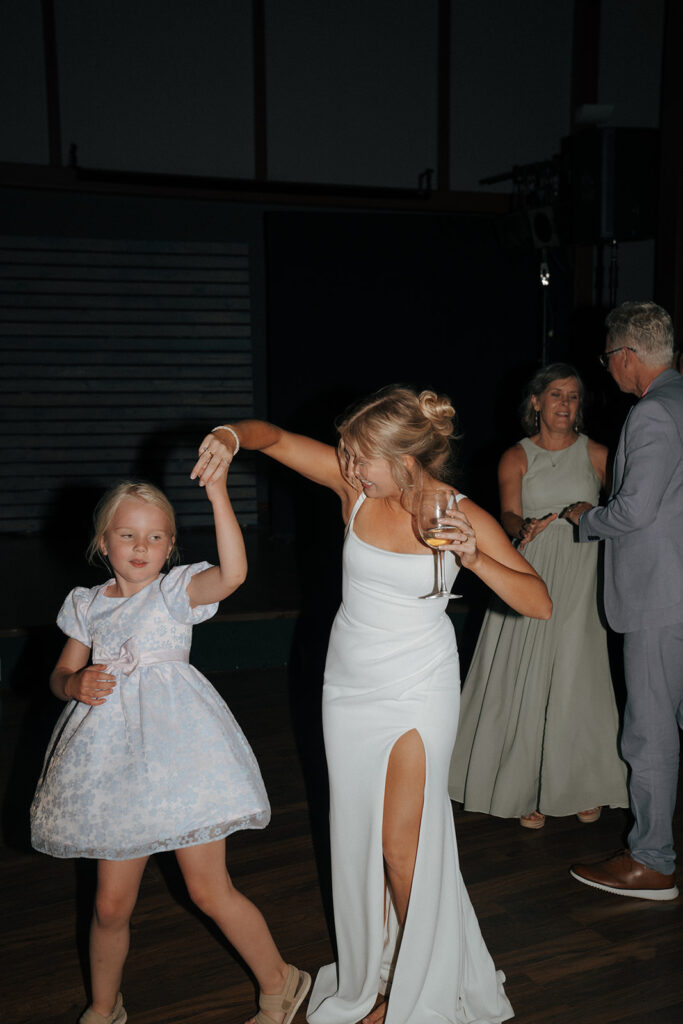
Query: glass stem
[{"x": 442, "y": 570}]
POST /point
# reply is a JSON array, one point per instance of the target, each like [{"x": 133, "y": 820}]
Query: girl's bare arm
[{"x": 223, "y": 579}]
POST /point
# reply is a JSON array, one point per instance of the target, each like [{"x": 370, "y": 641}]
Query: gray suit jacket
[{"x": 642, "y": 523}]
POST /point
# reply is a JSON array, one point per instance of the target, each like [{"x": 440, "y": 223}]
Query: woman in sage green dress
[{"x": 538, "y": 722}]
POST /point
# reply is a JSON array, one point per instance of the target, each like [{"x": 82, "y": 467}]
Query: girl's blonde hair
[
  {"x": 395, "y": 422},
  {"x": 108, "y": 504}
]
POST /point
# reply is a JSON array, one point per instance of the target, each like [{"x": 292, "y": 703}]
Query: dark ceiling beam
[
  {"x": 669, "y": 260},
  {"x": 258, "y": 17},
  {"x": 54, "y": 126},
  {"x": 585, "y": 55},
  {"x": 584, "y": 90},
  {"x": 443, "y": 173},
  {"x": 250, "y": 191}
]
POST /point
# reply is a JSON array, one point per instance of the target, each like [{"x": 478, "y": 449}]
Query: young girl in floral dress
[{"x": 146, "y": 756}]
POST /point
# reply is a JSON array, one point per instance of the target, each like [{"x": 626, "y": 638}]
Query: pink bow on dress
[{"x": 128, "y": 659}]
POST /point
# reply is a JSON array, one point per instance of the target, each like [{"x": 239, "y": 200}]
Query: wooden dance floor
[{"x": 571, "y": 954}]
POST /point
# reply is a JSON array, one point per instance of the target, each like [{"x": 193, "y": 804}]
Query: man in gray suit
[{"x": 642, "y": 526}]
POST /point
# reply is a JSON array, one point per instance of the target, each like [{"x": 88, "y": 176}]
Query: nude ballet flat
[{"x": 117, "y": 1016}]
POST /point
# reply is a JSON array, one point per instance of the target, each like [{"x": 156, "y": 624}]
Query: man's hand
[{"x": 573, "y": 512}]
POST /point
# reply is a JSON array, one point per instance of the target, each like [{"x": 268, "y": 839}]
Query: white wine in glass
[
  {"x": 432, "y": 508},
  {"x": 430, "y": 536}
]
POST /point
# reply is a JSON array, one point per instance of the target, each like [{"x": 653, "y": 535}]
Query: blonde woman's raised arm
[{"x": 313, "y": 459}]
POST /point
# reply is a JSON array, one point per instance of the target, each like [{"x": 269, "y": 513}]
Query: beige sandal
[
  {"x": 533, "y": 820},
  {"x": 288, "y": 1001},
  {"x": 117, "y": 1016},
  {"x": 588, "y": 816}
]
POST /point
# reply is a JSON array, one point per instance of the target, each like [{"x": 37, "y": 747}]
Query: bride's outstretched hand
[{"x": 213, "y": 461}]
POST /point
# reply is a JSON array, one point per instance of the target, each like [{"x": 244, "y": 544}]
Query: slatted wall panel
[{"x": 116, "y": 356}]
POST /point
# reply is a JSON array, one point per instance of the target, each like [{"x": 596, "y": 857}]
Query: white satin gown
[{"x": 392, "y": 666}]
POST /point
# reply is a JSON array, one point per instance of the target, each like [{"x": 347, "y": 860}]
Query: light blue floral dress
[{"x": 162, "y": 764}]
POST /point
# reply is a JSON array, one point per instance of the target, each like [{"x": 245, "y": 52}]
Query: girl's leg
[
  {"x": 403, "y": 802},
  {"x": 118, "y": 883},
  {"x": 243, "y": 925}
]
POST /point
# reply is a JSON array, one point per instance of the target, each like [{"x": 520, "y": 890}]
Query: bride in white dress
[{"x": 405, "y": 928}]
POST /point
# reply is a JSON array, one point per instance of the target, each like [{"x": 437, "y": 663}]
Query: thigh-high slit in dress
[{"x": 392, "y": 666}]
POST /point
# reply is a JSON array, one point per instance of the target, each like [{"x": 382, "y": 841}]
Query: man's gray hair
[{"x": 647, "y": 326}]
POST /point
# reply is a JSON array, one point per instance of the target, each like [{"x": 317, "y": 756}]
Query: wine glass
[{"x": 432, "y": 506}]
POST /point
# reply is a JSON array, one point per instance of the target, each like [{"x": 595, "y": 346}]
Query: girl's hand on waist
[{"x": 90, "y": 685}]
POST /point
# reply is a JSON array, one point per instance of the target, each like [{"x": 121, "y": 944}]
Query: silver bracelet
[{"x": 224, "y": 426}]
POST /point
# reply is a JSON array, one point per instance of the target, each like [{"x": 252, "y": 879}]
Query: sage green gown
[{"x": 538, "y": 720}]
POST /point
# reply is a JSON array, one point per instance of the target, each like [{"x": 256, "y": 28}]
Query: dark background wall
[
  {"x": 361, "y": 300},
  {"x": 346, "y": 146}
]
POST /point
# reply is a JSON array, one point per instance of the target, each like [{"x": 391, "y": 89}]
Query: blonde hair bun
[
  {"x": 439, "y": 411},
  {"x": 397, "y": 422}
]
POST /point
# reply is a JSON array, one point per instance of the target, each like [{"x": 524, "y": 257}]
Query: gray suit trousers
[{"x": 653, "y": 663}]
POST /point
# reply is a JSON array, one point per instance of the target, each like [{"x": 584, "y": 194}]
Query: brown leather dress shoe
[{"x": 624, "y": 876}]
